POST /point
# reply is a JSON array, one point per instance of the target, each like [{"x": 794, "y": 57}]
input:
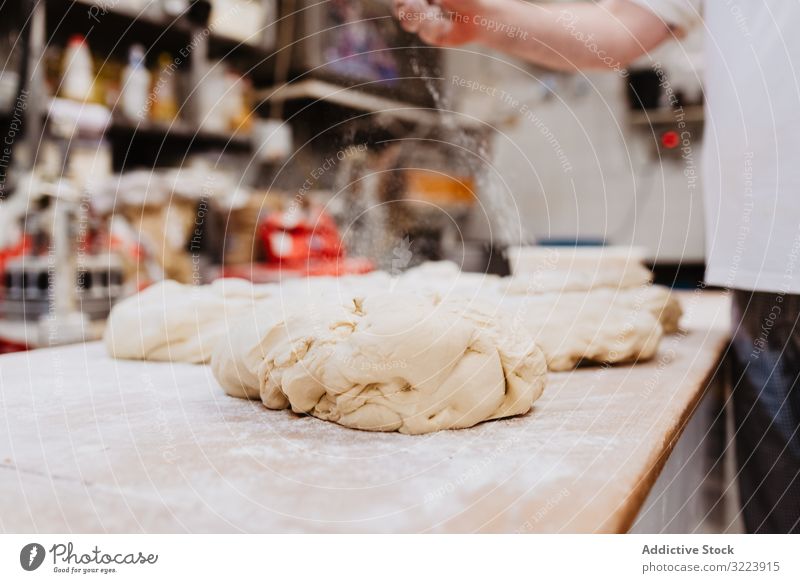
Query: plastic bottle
[
  {"x": 77, "y": 70},
  {"x": 239, "y": 96},
  {"x": 135, "y": 86},
  {"x": 165, "y": 100},
  {"x": 213, "y": 99}
]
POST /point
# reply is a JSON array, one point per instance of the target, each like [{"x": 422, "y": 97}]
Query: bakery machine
[{"x": 64, "y": 277}]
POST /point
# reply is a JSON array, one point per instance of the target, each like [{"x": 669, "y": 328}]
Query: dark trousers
[{"x": 766, "y": 403}]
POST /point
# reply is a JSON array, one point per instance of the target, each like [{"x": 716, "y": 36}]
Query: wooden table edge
[{"x": 635, "y": 500}]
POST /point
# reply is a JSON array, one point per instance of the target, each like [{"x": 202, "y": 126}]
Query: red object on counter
[
  {"x": 304, "y": 243},
  {"x": 17, "y": 250},
  {"x": 294, "y": 239},
  {"x": 7, "y": 347}
]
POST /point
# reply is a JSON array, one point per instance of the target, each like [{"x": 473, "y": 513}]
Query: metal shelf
[
  {"x": 96, "y": 10},
  {"x": 180, "y": 27},
  {"x": 158, "y": 32},
  {"x": 692, "y": 114},
  {"x": 181, "y": 131},
  {"x": 353, "y": 98}
]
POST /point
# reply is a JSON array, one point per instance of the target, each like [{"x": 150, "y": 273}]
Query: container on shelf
[
  {"x": 135, "y": 86},
  {"x": 77, "y": 71},
  {"x": 164, "y": 93}
]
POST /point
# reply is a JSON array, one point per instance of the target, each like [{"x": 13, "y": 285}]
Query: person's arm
[{"x": 563, "y": 36}]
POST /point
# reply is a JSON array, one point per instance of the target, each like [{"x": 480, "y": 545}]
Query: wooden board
[{"x": 93, "y": 444}]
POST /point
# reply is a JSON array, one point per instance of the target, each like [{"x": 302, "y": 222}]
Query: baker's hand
[{"x": 441, "y": 22}]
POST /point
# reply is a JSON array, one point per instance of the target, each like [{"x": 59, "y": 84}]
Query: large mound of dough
[
  {"x": 386, "y": 362},
  {"x": 181, "y": 323},
  {"x": 431, "y": 349}
]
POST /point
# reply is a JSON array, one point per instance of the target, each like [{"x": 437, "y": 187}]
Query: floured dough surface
[
  {"x": 663, "y": 305},
  {"x": 597, "y": 327},
  {"x": 390, "y": 361},
  {"x": 576, "y": 317},
  {"x": 174, "y": 322}
]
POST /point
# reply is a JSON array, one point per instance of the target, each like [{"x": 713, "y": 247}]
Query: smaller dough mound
[
  {"x": 173, "y": 322},
  {"x": 388, "y": 362},
  {"x": 665, "y": 306},
  {"x": 603, "y": 326}
]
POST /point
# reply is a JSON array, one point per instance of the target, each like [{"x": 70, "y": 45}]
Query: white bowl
[{"x": 538, "y": 259}]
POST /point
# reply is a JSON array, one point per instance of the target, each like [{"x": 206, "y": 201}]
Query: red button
[{"x": 670, "y": 140}]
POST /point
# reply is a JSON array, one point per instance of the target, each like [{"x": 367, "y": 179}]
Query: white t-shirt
[{"x": 751, "y": 161}]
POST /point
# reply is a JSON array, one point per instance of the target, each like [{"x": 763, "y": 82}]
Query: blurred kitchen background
[{"x": 265, "y": 139}]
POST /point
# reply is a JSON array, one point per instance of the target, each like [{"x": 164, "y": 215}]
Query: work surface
[{"x": 93, "y": 444}]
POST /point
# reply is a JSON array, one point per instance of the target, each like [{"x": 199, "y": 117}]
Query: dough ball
[
  {"x": 601, "y": 326},
  {"x": 174, "y": 322},
  {"x": 664, "y": 305},
  {"x": 386, "y": 362}
]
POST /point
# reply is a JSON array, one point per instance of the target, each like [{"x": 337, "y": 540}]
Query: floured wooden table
[{"x": 92, "y": 444}]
